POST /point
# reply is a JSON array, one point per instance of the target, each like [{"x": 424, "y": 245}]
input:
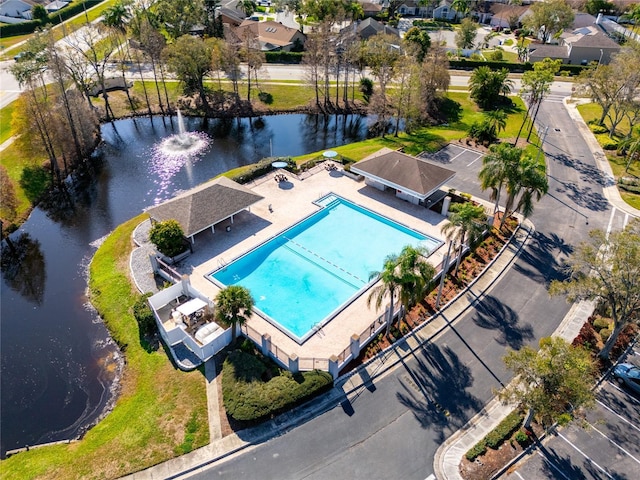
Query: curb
[{"x": 449, "y": 455}]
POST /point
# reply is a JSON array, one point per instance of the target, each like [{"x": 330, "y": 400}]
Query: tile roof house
[
  {"x": 412, "y": 178},
  {"x": 205, "y": 205},
  {"x": 271, "y": 35}
]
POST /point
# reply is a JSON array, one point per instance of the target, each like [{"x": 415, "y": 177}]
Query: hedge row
[
  {"x": 261, "y": 168},
  {"x": 497, "y": 436},
  {"x": 284, "y": 57},
  {"x": 512, "y": 67},
  {"x": 253, "y": 390},
  {"x": 71, "y": 10}
]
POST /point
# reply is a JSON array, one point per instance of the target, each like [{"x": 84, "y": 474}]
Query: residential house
[
  {"x": 371, "y": 9},
  {"x": 15, "y": 11},
  {"x": 270, "y": 35},
  {"x": 230, "y": 16},
  {"x": 445, "y": 11},
  {"x": 587, "y": 42},
  {"x": 55, "y": 6},
  {"x": 369, "y": 27},
  {"x": 507, "y": 16},
  {"x": 413, "y": 9}
]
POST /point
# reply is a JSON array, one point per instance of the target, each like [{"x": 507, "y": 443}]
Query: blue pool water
[{"x": 302, "y": 277}]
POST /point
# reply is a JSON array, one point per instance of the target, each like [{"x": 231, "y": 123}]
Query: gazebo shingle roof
[
  {"x": 205, "y": 205},
  {"x": 403, "y": 171}
]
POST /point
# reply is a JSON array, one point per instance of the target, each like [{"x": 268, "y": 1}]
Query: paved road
[
  {"x": 392, "y": 429},
  {"x": 603, "y": 445}
]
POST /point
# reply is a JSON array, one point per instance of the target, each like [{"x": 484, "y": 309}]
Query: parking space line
[
  {"x": 618, "y": 415},
  {"x": 474, "y": 161},
  {"x": 461, "y": 153},
  {"x": 614, "y": 443},
  {"x": 585, "y": 456},
  {"x": 550, "y": 463},
  {"x": 518, "y": 474},
  {"x": 629, "y": 397}
]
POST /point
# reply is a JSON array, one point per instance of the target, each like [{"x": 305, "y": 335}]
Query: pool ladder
[{"x": 222, "y": 264}]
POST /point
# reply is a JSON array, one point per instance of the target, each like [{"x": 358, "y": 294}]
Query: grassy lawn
[
  {"x": 592, "y": 111},
  {"x": 75, "y": 22},
  {"x": 5, "y": 122},
  {"x": 161, "y": 412},
  {"x": 15, "y": 162}
]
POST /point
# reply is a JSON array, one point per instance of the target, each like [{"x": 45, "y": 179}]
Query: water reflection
[{"x": 23, "y": 267}]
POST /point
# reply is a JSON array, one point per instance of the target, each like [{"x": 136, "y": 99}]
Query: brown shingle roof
[
  {"x": 404, "y": 172},
  {"x": 272, "y": 32},
  {"x": 205, "y": 205}
]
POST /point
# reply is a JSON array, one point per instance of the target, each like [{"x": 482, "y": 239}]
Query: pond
[{"x": 57, "y": 360}]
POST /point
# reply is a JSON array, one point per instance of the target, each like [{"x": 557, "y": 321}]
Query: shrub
[
  {"x": 522, "y": 438},
  {"x": 253, "y": 388},
  {"x": 605, "y": 333},
  {"x": 478, "y": 449},
  {"x": 504, "y": 430},
  {"x": 168, "y": 237},
  {"x": 143, "y": 315},
  {"x": 564, "y": 419},
  {"x": 596, "y": 128},
  {"x": 482, "y": 131},
  {"x": 624, "y": 339},
  {"x": 600, "y": 322},
  {"x": 265, "y": 97},
  {"x": 497, "y": 436},
  {"x": 495, "y": 56},
  {"x": 586, "y": 338},
  {"x": 366, "y": 87}
]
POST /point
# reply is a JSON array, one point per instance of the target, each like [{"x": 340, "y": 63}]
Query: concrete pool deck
[{"x": 284, "y": 204}]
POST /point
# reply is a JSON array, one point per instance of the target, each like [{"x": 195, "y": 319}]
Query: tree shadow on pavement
[
  {"x": 436, "y": 390},
  {"x": 491, "y": 314},
  {"x": 588, "y": 173},
  {"x": 539, "y": 260},
  {"x": 555, "y": 466}
]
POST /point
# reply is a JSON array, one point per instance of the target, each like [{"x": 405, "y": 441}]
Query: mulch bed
[{"x": 487, "y": 465}]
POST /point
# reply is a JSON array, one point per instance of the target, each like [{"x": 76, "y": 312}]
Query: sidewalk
[
  {"x": 610, "y": 190},
  {"x": 350, "y": 384}
]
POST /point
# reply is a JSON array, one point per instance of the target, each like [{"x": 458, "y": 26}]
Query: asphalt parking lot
[
  {"x": 464, "y": 161},
  {"x": 604, "y": 445}
]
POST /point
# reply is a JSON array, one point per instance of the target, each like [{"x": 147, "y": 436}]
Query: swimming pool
[{"x": 304, "y": 276}]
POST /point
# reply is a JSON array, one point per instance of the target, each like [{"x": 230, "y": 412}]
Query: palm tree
[
  {"x": 495, "y": 167},
  {"x": 630, "y": 147},
  {"x": 463, "y": 7},
  {"x": 416, "y": 276},
  {"x": 115, "y": 18},
  {"x": 486, "y": 86},
  {"x": 233, "y": 306},
  {"x": 406, "y": 275},
  {"x": 467, "y": 222},
  {"x": 529, "y": 180},
  {"x": 390, "y": 285},
  {"x": 497, "y": 121}
]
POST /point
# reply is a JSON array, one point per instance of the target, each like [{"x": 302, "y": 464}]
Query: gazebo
[
  {"x": 413, "y": 179},
  {"x": 205, "y": 205}
]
